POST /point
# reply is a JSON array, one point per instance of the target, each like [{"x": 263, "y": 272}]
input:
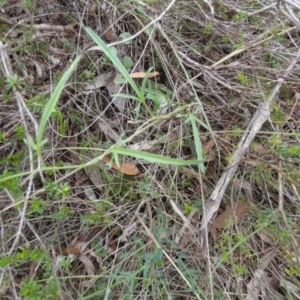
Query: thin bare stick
[
  {"x": 183, "y": 217},
  {"x": 261, "y": 115},
  {"x": 5, "y": 20},
  {"x": 293, "y": 3}
]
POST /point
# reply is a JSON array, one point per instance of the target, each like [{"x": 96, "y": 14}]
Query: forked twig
[{"x": 261, "y": 115}]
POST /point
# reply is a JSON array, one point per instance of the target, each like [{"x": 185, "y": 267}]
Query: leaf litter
[{"x": 217, "y": 65}]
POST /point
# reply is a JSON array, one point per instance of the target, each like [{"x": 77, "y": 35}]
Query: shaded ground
[{"x": 75, "y": 225}]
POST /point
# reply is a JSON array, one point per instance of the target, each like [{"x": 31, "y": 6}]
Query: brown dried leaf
[
  {"x": 109, "y": 34},
  {"x": 108, "y": 131},
  {"x": 125, "y": 167},
  {"x": 75, "y": 248},
  {"x": 209, "y": 145},
  {"x": 242, "y": 207},
  {"x": 208, "y": 148},
  {"x": 143, "y": 74},
  {"x": 265, "y": 237},
  {"x": 4, "y": 199},
  {"x": 93, "y": 254},
  {"x": 71, "y": 250},
  {"x": 90, "y": 269}
]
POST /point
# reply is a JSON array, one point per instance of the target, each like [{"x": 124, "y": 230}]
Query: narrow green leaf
[
  {"x": 30, "y": 142},
  {"x": 44, "y": 141},
  {"x": 107, "y": 293},
  {"x": 145, "y": 80},
  {"x": 53, "y": 101},
  {"x": 114, "y": 59},
  {"x": 116, "y": 159},
  {"x": 126, "y": 96},
  {"x": 155, "y": 158},
  {"x": 198, "y": 145},
  {"x": 200, "y": 122}
]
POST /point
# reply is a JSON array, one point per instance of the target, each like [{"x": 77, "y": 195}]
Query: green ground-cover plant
[
  {"x": 180, "y": 129},
  {"x": 49, "y": 110}
]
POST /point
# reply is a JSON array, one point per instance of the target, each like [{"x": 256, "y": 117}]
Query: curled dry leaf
[
  {"x": 128, "y": 232},
  {"x": 125, "y": 167},
  {"x": 143, "y": 74},
  {"x": 37, "y": 66},
  {"x": 90, "y": 269}
]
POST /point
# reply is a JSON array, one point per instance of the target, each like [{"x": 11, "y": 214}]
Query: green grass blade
[
  {"x": 201, "y": 123},
  {"x": 52, "y": 103},
  {"x": 115, "y": 60},
  {"x": 198, "y": 144},
  {"x": 145, "y": 80},
  {"x": 126, "y": 96},
  {"x": 155, "y": 158}
]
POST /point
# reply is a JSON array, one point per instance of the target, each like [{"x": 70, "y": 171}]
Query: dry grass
[{"x": 71, "y": 229}]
